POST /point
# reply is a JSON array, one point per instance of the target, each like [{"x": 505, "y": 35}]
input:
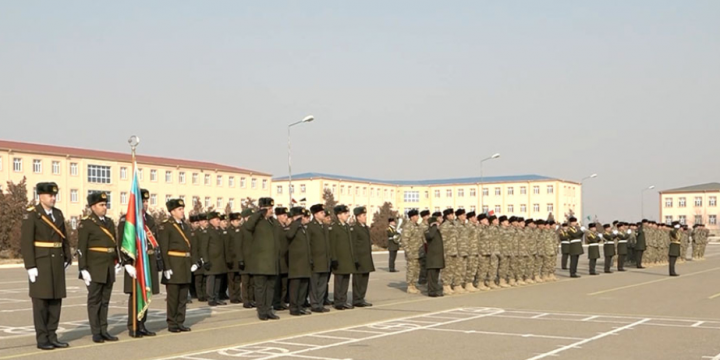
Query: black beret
[
  {"x": 412, "y": 213},
  {"x": 471, "y": 214},
  {"x": 193, "y": 218},
  {"x": 213, "y": 215},
  {"x": 572, "y": 219},
  {"x": 551, "y": 222},
  {"x": 482, "y": 216},
  {"x": 317, "y": 208},
  {"x": 295, "y": 211},
  {"x": 46, "y": 188},
  {"x": 340, "y": 209},
  {"x": 96, "y": 197},
  {"x": 503, "y": 218},
  {"x": 359, "y": 210},
  {"x": 520, "y": 219},
  {"x": 280, "y": 211},
  {"x": 235, "y": 216},
  {"x": 202, "y": 216},
  {"x": 144, "y": 194},
  {"x": 266, "y": 202},
  {"x": 447, "y": 212},
  {"x": 246, "y": 213},
  {"x": 459, "y": 212},
  {"x": 437, "y": 214},
  {"x": 425, "y": 213},
  {"x": 173, "y": 204}
]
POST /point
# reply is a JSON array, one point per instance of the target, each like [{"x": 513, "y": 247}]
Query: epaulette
[
  {"x": 166, "y": 221},
  {"x": 31, "y": 208},
  {"x": 85, "y": 217}
]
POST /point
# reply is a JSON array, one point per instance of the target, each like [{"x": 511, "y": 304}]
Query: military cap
[
  {"x": 512, "y": 219},
  {"x": 491, "y": 218},
  {"x": 551, "y": 222},
  {"x": 645, "y": 221},
  {"x": 412, "y": 213},
  {"x": 266, "y": 202},
  {"x": 447, "y": 212},
  {"x": 503, "y": 218},
  {"x": 615, "y": 222},
  {"x": 572, "y": 219},
  {"x": 281, "y": 211},
  {"x": 433, "y": 219},
  {"x": 696, "y": 226},
  {"x": 173, "y": 204},
  {"x": 471, "y": 214},
  {"x": 194, "y": 219},
  {"x": 391, "y": 220},
  {"x": 223, "y": 217},
  {"x": 213, "y": 215},
  {"x": 540, "y": 222},
  {"x": 327, "y": 213},
  {"x": 564, "y": 224},
  {"x": 317, "y": 208},
  {"x": 341, "y": 209},
  {"x": 482, "y": 217},
  {"x": 437, "y": 214},
  {"x": 235, "y": 216},
  {"x": 202, "y": 216},
  {"x": 359, "y": 210},
  {"x": 425, "y": 213},
  {"x": 592, "y": 225},
  {"x": 529, "y": 221},
  {"x": 459, "y": 212},
  {"x": 295, "y": 211},
  {"x": 607, "y": 226},
  {"x": 305, "y": 212},
  {"x": 96, "y": 197},
  {"x": 46, "y": 188},
  {"x": 144, "y": 194},
  {"x": 246, "y": 213}
]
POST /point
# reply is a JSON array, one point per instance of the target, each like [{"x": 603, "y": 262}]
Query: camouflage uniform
[
  {"x": 411, "y": 243},
  {"x": 524, "y": 274},
  {"x": 487, "y": 257},
  {"x": 550, "y": 250},
  {"x": 463, "y": 244},
  {"x": 506, "y": 235},
  {"x": 516, "y": 270},
  {"x": 538, "y": 256},
  {"x": 471, "y": 270},
  {"x": 449, "y": 234}
]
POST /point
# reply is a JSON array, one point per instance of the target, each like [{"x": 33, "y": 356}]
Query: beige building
[
  {"x": 530, "y": 196},
  {"x": 697, "y": 204},
  {"x": 79, "y": 172}
]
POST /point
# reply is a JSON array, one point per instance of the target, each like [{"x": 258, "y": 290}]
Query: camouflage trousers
[
  {"x": 517, "y": 267},
  {"x": 486, "y": 263},
  {"x": 454, "y": 271},
  {"x": 549, "y": 265},
  {"x": 527, "y": 263},
  {"x": 695, "y": 250},
  {"x": 412, "y": 275},
  {"x": 504, "y": 267},
  {"x": 471, "y": 268},
  {"x": 538, "y": 260}
]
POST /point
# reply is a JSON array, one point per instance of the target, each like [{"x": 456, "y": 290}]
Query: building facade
[
  {"x": 697, "y": 204},
  {"x": 79, "y": 172},
  {"x": 530, "y": 196}
]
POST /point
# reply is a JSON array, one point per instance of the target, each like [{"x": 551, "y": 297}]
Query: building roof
[
  {"x": 114, "y": 156},
  {"x": 696, "y": 188},
  {"x": 470, "y": 180}
]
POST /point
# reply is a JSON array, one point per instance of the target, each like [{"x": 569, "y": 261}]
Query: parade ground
[{"x": 638, "y": 314}]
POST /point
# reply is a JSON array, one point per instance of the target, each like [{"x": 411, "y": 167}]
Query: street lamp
[
  {"x": 642, "y": 203},
  {"x": 482, "y": 193},
  {"x": 582, "y": 194},
  {"x": 307, "y": 119}
]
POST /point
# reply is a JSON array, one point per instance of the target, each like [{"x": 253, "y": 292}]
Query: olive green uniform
[{"x": 176, "y": 249}]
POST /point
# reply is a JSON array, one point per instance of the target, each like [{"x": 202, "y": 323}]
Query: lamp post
[
  {"x": 642, "y": 203},
  {"x": 582, "y": 194},
  {"x": 482, "y": 193},
  {"x": 307, "y": 119}
]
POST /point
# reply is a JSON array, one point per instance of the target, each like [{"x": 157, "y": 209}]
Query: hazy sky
[{"x": 400, "y": 89}]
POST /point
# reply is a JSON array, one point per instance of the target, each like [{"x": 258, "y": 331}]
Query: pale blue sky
[{"x": 400, "y": 89}]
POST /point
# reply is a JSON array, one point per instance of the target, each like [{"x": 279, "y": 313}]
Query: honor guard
[
  {"x": 300, "y": 261},
  {"x": 264, "y": 264},
  {"x": 317, "y": 233},
  {"x": 362, "y": 248},
  {"x": 343, "y": 263}
]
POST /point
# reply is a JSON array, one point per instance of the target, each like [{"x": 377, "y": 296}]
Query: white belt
[
  {"x": 594, "y": 244},
  {"x": 576, "y": 240},
  {"x": 609, "y": 243},
  {"x": 622, "y": 241},
  {"x": 565, "y": 242}
]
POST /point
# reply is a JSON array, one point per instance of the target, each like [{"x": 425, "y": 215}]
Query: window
[
  {"x": 357, "y": 190},
  {"x": 123, "y": 198},
  {"x": 219, "y": 203},
  {"x": 182, "y": 197},
  {"x": 385, "y": 192},
  {"x": 342, "y": 189},
  {"x": 437, "y": 209},
  {"x": 231, "y": 202},
  {"x": 218, "y": 180},
  {"x": 448, "y": 193},
  {"x": 364, "y": 191},
  {"x": 498, "y": 191},
  {"x": 473, "y": 193},
  {"x": 511, "y": 209},
  {"x": 461, "y": 193},
  {"x": 123, "y": 173},
  {"x": 253, "y": 183},
  {"x": 195, "y": 178},
  {"x": 140, "y": 174},
  {"x": 427, "y": 194},
  {"x": 550, "y": 189},
  {"x": 681, "y": 202},
  {"x": 473, "y": 208},
  {"x": 511, "y": 191},
  {"x": 668, "y": 202},
  {"x": 536, "y": 208},
  {"x": 334, "y": 187},
  {"x": 523, "y": 208},
  {"x": 231, "y": 181},
  {"x": 109, "y": 196},
  {"x": 437, "y": 193},
  {"x": 153, "y": 175},
  {"x": 36, "y": 197},
  {"x": 550, "y": 207},
  {"x": 291, "y": 188},
  {"x": 181, "y": 177},
  {"x": 523, "y": 190},
  {"x": 56, "y": 167},
  {"x": 153, "y": 199},
  {"x": 302, "y": 188},
  {"x": 279, "y": 190},
  {"x": 712, "y": 219},
  {"x": 265, "y": 184},
  {"x": 99, "y": 174},
  {"x": 37, "y": 166},
  {"x": 485, "y": 209},
  {"x": 668, "y": 219},
  {"x": 712, "y": 201},
  {"x": 73, "y": 196},
  {"x": 167, "y": 198},
  {"x": 497, "y": 209},
  {"x": 411, "y": 196},
  {"x": 536, "y": 190},
  {"x": 698, "y": 201},
  {"x": 485, "y": 192},
  {"x": 698, "y": 219},
  {"x": 58, "y": 197},
  {"x": 242, "y": 182},
  {"x": 207, "y": 201},
  {"x": 682, "y": 219},
  {"x": 74, "y": 169},
  {"x": 168, "y": 176},
  {"x": 207, "y": 179}
]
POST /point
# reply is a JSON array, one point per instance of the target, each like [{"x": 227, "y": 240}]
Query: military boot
[
  {"x": 447, "y": 290},
  {"x": 459, "y": 290},
  {"x": 482, "y": 287},
  {"x": 504, "y": 284},
  {"x": 529, "y": 281},
  {"x": 470, "y": 287},
  {"x": 412, "y": 289},
  {"x": 520, "y": 282},
  {"x": 512, "y": 282},
  {"x": 491, "y": 285}
]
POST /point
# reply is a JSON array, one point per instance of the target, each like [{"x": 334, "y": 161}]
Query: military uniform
[
  {"x": 505, "y": 238},
  {"x": 422, "y": 278},
  {"x": 197, "y": 241},
  {"x": 574, "y": 235},
  {"x": 235, "y": 235},
  {"x": 46, "y": 254},
  {"x": 343, "y": 259},
  {"x": 640, "y": 244},
  {"x": 485, "y": 278},
  {"x": 299, "y": 262},
  {"x": 280, "y": 297},
  {"x": 609, "y": 237},
  {"x": 320, "y": 250},
  {"x": 393, "y": 245},
  {"x": 362, "y": 248},
  {"x": 435, "y": 257},
  {"x": 674, "y": 247},
  {"x": 412, "y": 241},
  {"x": 264, "y": 264},
  {"x": 98, "y": 257},
  {"x": 451, "y": 282},
  {"x": 176, "y": 248},
  {"x": 622, "y": 246},
  {"x": 213, "y": 249},
  {"x": 242, "y": 256},
  {"x": 593, "y": 241}
]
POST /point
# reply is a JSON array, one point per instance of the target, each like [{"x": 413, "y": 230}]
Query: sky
[{"x": 399, "y": 89}]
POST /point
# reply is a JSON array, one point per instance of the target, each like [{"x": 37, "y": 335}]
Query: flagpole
[{"x": 134, "y": 141}]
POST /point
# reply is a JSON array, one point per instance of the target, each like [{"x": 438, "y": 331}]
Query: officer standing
[
  {"x": 622, "y": 244},
  {"x": 435, "y": 256},
  {"x": 243, "y": 255},
  {"x": 393, "y": 243},
  {"x": 320, "y": 249},
  {"x": 98, "y": 264},
  {"x": 264, "y": 264},
  {"x": 281, "y": 285},
  {"x": 299, "y": 260},
  {"x": 412, "y": 242},
  {"x": 176, "y": 248},
  {"x": 213, "y": 253},
  {"x": 674, "y": 248},
  {"x": 362, "y": 247},
  {"x": 199, "y": 274},
  {"x": 609, "y": 237},
  {"x": 344, "y": 262},
  {"x": 232, "y": 257},
  {"x": 575, "y": 235},
  {"x": 46, "y": 254},
  {"x": 424, "y": 216},
  {"x": 450, "y": 279},
  {"x": 593, "y": 241},
  {"x": 194, "y": 225}
]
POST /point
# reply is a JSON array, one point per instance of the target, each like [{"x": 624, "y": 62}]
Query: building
[
  {"x": 697, "y": 204},
  {"x": 79, "y": 172},
  {"x": 530, "y": 196}
]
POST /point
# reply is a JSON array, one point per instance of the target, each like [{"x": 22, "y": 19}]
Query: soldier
[
  {"x": 194, "y": 225},
  {"x": 492, "y": 236},
  {"x": 424, "y": 216},
  {"x": 525, "y": 251},
  {"x": 176, "y": 249},
  {"x": 609, "y": 237},
  {"x": 46, "y": 254},
  {"x": 320, "y": 250},
  {"x": 243, "y": 255},
  {"x": 674, "y": 248},
  {"x": 343, "y": 262},
  {"x": 328, "y": 223},
  {"x": 622, "y": 244},
  {"x": 300, "y": 261},
  {"x": 564, "y": 247},
  {"x": 532, "y": 273},
  {"x": 98, "y": 264},
  {"x": 435, "y": 256},
  {"x": 393, "y": 244},
  {"x": 214, "y": 244},
  {"x": 505, "y": 238},
  {"x": 451, "y": 284},
  {"x": 593, "y": 241},
  {"x": 281, "y": 282},
  {"x": 264, "y": 264},
  {"x": 226, "y": 239},
  {"x": 199, "y": 275},
  {"x": 412, "y": 242},
  {"x": 152, "y": 252},
  {"x": 472, "y": 263},
  {"x": 574, "y": 235},
  {"x": 362, "y": 248},
  {"x": 463, "y": 244},
  {"x": 514, "y": 250},
  {"x": 233, "y": 256}
]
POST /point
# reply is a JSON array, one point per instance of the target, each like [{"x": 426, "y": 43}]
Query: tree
[
  {"x": 197, "y": 207},
  {"x": 228, "y": 210},
  {"x": 330, "y": 202},
  {"x": 72, "y": 236},
  {"x": 569, "y": 214},
  {"x": 550, "y": 217},
  {"x": 158, "y": 215},
  {"x": 248, "y": 203},
  {"x": 13, "y": 204},
  {"x": 378, "y": 228}
]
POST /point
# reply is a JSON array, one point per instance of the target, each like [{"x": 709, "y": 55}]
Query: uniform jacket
[
  {"x": 93, "y": 234},
  {"x": 49, "y": 261}
]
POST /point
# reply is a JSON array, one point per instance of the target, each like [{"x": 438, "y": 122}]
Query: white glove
[
  {"x": 615, "y": 232},
  {"x": 168, "y": 274},
  {"x": 399, "y": 231},
  {"x": 86, "y": 277},
  {"x": 130, "y": 270},
  {"x": 600, "y": 236},
  {"x": 629, "y": 231},
  {"x": 67, "y": 264},
  {"x": 677, "y": 226},
  {"x": 557, "y": 227},
  {"x": 582, "y": 228},
  {"x": 118, "y": 269},
  {"x": 193, "y": 268},
  {"x": 32, "y": 274}
]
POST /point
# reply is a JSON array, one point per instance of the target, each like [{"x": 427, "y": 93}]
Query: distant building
[
  {"x": 697, "y": 204},
  {"x": 530, "y": 196}
]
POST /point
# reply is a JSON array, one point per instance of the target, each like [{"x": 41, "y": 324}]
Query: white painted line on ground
[
  {"x": 507, "y": 334},
  {"x": 293, "y": 344},
  {"x": 590, "y": 318},
  {"x": 538, "y": 316},
  {"x": 330, "y": 337},
  {"x": 582, "y": 342},
  {"x": 364, "y": 331}
]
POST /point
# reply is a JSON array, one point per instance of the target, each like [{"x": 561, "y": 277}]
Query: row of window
[
  {"x": 712, "y": 219},
  {"x": 498, "y": 209},
  {"x": 682, "y": 202},
  {"x": 414, "y": 196}
]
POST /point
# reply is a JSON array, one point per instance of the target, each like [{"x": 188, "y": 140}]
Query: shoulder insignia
[
  {"x": 237, "y": 230},
  {"x": 26, "y": 216},
  {"x": 85, "y": 217},
  {"x": 31, "y": 208},
  {"x": 161, "y": 227},
  {"x": 224, "y": 232},
  {"x": 330, "y": 227}
]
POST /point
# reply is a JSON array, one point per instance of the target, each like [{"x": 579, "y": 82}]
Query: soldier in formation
[
  {"x": 393, "y": 244},
  {"x": 362, "y": 249},
  {"x": 699, "y": 237},
  {"x": 413, "y": 242}
]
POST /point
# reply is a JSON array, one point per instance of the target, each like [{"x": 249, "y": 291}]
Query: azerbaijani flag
[{"x": 134, "y": 243}]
